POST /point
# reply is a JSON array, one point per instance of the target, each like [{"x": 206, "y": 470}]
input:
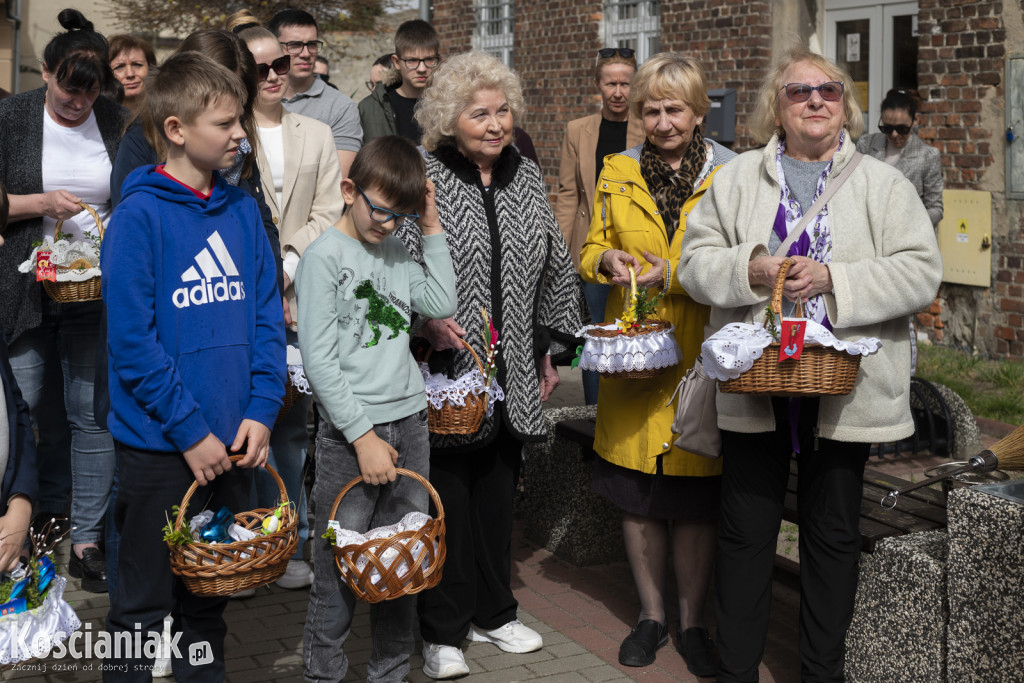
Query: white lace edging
[
  {"x": 63, "y": 254},
  {"x": 40, "y": 629},
  {"x": 296, "y": 372},
  {"x": 732, "y": 350},
  {"x": 454, "y": 391},
  {"x": 623, "y": 353}
]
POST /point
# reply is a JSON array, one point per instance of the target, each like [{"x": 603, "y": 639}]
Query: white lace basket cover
[
  {"x": 732, "y": 350},
  {"x": 63, "y": 254},
  {"x": 296, "y": 373},
  {"x": 40, "y": 629},
  {"x": 410, "y": 522},
  {"x": 622, "y": 353},
  {"x": 454, "y": 391}
]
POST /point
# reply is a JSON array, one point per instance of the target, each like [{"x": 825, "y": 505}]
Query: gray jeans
[{"x": 331, "y": 603}]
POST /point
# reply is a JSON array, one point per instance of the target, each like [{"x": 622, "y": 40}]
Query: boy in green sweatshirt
[{"x": 358, "y": 288}]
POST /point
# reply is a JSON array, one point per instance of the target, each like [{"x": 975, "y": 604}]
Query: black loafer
[
  {"x": 91, "y": 568},
  {"x": 642, "y": 644},
  {"x": 695, "y": 645}
]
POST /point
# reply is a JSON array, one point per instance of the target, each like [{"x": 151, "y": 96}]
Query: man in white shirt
[{"x": 308, "y": 95}]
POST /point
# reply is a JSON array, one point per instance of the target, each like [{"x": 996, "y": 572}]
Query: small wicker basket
[
  {"x": 456, "y": 419},
  {"x": 394, "y": 581},
  {"x": 226, "y": 568},
  {"x": 820, "y": 370},
  {"x": 70, "y": 292},
  {"x": 646, "y": 327},
  {"x": 291, "y": 395}
]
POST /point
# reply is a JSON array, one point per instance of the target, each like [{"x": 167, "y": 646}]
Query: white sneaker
[
  {"x": 513, "y": 637},
  {"x": 162, "y": 661},
  {"x": 443, "y": 661},
  {"x": 297, "y": 575}
]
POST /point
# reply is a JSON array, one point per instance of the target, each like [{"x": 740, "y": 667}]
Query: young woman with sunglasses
[
  {"x": 301, "y": 179},
  {"x": 898, "y": 145}
]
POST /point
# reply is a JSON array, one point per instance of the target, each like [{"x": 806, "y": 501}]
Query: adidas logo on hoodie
[{"x": 213, "y": 282}]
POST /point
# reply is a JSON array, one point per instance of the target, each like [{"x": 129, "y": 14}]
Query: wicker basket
[
  {"x": 223, "y": 568},
  {"x": 393, "y": 582},
  {"x": 820, "y": 370},
  {"x": 291, "y": 395},
  {"x": 456, "y": 419},
  {"x": 651, "y": 324},
  {"x": 70, "y": 292}
]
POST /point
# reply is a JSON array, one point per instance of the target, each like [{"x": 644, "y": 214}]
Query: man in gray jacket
[{"x": 388, "y": 109}]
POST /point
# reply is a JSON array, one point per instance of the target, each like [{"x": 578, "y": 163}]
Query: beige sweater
[{"x": 885, "y": 266}]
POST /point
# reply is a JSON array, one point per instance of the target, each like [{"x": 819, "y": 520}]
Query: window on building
[
  {"x": 632, "y": 23},
  {"x": 494, "y": 29}
]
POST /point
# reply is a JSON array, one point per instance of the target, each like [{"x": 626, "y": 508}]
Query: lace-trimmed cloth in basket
[
  {"x": 732, "y": 350},
  {"x": 623, "y": 353},
  {"x": 454, "y": 391},
  {"x": 68, "y": 256},
  {"x": 41, "y": 629},
  {"x": 296, "y": 372}
]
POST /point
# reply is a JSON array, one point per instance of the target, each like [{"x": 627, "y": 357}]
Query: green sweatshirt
[{"x": 355, "y": 304}]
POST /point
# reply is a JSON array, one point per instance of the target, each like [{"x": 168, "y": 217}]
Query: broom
[{"x": 1005, "y": 454}]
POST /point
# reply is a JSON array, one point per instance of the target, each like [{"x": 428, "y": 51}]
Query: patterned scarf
[
  {"x": 816, "y": 240},
  {"x": 669, "y": 187}
]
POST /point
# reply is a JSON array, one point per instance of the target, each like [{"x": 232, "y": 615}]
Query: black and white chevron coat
[{"x": 510, "y": 258}]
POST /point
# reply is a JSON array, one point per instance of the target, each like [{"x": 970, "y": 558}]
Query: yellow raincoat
[{"x": 634, "y": 425}]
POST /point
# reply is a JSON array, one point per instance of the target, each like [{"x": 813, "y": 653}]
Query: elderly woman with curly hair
[
  {"x": 867, "y": 260},
  {"x": 510, "y": 259}
]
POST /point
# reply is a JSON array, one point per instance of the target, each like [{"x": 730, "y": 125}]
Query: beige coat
[
  {"x": 311, "y": 196},
  {"x": 885, "y": 266},
  {"x": 576, "y": 177}
]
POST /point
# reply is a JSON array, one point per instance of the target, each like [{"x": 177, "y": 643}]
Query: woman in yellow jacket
[{"x": 667, "y": 496}]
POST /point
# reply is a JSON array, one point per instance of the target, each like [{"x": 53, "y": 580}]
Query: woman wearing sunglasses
[
  {"x": 898, "y": 145},
  {"x": 866, "y": 261},
  {"x": 301, "y": 180}
]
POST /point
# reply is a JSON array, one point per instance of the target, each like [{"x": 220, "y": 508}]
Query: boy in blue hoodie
[
  {"x": 358, "y": 288},
  {"x": 197, "y": 356}
]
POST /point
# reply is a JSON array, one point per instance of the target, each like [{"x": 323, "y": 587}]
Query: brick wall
[
  {"x": 962, "y": 47},
  {"x": 454, "y": 22}
]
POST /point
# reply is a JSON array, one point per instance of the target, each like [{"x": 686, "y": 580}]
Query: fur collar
[{"x": 466, "y": 171}]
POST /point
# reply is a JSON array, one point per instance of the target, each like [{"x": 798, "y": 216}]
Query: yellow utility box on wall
[{"x": 965, "y": 237}]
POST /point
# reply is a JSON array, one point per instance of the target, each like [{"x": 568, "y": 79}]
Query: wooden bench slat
[
  {"x": 917, "y": 508},
  {"x": 889, "y": 483}
]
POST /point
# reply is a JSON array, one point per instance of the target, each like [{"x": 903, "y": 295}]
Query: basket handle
[
  {"x": 780, "y": 281},
  {"x": 95, "y": 217},
  {"x": 179, "y": 520},
  {"x": 398, "y": 470},
  {"x": 473, "y": 353}
]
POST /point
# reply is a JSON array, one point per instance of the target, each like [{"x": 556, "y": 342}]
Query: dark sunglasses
[
  {"x": 624, "y": 52},
  {"x": 381, "y": 215},
  {"x": 889, "y": 130},
  {"x": 801, "y": 92},
  {"x": 281, "y": 66}
]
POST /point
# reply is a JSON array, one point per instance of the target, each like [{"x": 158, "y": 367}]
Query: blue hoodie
[{"x": 195, "y": 326}]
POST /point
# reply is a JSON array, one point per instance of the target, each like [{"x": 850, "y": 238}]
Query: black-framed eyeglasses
[
  {"x": 889, "y": 130},
  {"x": 294, "y": 47},
  {"x": 381, "y": 215},
  {"x": 624, "y": 52},
  {"x": 801, "y": 92},
  {"x": 413, "y": 63},
  {"x": 281, "y": 66}
]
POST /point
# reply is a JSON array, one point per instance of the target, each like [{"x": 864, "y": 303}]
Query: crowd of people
[{"x": 235, "y": 164}]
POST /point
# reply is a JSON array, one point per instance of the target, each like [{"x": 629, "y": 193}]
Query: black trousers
[
  {"x": 476, "y": 490},
  {"x": 150, "y": 483},
  {"x": 755, "y": 473}
]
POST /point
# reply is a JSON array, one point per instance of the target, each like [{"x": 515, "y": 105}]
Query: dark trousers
[
  {"x": 150, "y": 484},
  {"x": 476, "y": 490},
  {"x": 755, "y": 474}
]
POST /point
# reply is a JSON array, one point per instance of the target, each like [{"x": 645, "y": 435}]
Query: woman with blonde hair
[
  {"x": 301, "y": 180},
  {"x": 510, "y": 259},
  {"x": 866, "y": 260},
  {"x": 668, "y": 497}
]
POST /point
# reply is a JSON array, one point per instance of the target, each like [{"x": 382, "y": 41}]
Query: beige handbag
[{"x": 696, "y": 419}]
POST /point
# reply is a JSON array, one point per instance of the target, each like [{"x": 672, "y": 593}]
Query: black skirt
[{"x": 662, "y": 496}]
